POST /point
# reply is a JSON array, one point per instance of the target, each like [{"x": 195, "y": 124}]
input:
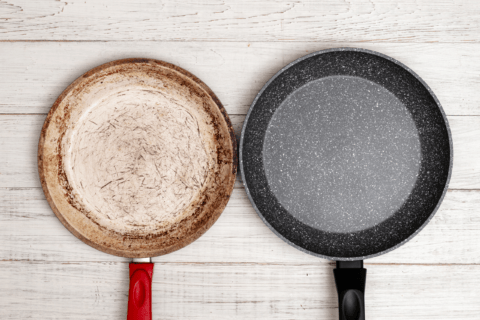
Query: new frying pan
[
  {"x": 346, "y": 155},
  {"x": 137, "y": 158}
]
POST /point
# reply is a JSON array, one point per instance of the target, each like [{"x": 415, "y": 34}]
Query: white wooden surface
[
  {"x": 239, "y": 269},
  {"x": 251, "y": 20}
]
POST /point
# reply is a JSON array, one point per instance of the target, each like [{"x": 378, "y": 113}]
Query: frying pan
[
  {"x": 107, "y": 173},
  {"x": 346, "y": 155}
]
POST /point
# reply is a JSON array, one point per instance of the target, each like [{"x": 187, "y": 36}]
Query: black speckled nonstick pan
[{"x": 346, "y": 154}]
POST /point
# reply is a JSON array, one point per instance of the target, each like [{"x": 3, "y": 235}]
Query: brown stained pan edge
[
  {"x": 41, "y": 172},
  {"x": 215, "y": 100},
  {"x": 220, "y": 205}
]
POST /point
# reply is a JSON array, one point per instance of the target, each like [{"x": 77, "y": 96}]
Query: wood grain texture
[
  {"x": 29, "y": 231},
  {"x": 239, "y": 269},
  {"x": 33, "y": 75},
  {"x": 90, "y": 290},
  {"x": 250, "y": 20},
  {"x": 19, "y": 138}
]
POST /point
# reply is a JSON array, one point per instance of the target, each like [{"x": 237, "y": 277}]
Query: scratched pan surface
[
  {"x": 103, "y": 164},
  {"x": 346, "y": 154}
]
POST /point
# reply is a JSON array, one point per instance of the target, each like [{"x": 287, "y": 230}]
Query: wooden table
[{"x": 239, "y": 269}]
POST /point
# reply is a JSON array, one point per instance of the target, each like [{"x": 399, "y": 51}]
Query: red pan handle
[{"x": 140, "y": 293}]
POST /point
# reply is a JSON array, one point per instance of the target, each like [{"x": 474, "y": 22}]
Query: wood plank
[
  {"x": 239, "y": 269},
  {"x": 87, "y": 290},
  {"x": 29, "y": 231},
  {"x": 34, "y": 74},
  {"x": 19, "y": 138},
  {"x": 249, "y": 20}
]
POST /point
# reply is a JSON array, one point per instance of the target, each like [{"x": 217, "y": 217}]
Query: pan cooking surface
[
  {"x": 345, "y": 154},
  {"x": 137, "y": 158},
  {"x": 341, "y": 154}
]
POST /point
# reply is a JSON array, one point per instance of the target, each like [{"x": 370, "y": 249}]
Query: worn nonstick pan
[
  {"x": 137, "y": 158},
  {"x": 346, "y": 155}
]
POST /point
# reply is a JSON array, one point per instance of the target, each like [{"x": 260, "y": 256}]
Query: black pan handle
[{"x": 350, "y": 277}]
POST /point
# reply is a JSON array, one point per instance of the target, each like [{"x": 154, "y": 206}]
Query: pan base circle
[
  {"x": 342, "y": 154},
  {"x": 137, "y": 160}
]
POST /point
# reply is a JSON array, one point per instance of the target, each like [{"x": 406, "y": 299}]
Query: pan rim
[
  {"x": 346, "y": 49},
  {"x": 217, "y": 211}
]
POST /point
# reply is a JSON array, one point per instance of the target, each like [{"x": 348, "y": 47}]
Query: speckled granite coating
[
  {"x": 346, "y": 154},
  {"x": 341, "y": 154}
]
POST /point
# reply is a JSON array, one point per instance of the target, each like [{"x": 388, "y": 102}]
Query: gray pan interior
[{"x": 346, "y": 154}]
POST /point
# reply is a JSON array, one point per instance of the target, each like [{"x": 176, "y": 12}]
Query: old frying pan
[
  {"x": 346, "y": 154},
  {"x": 137, "y": 158}
]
